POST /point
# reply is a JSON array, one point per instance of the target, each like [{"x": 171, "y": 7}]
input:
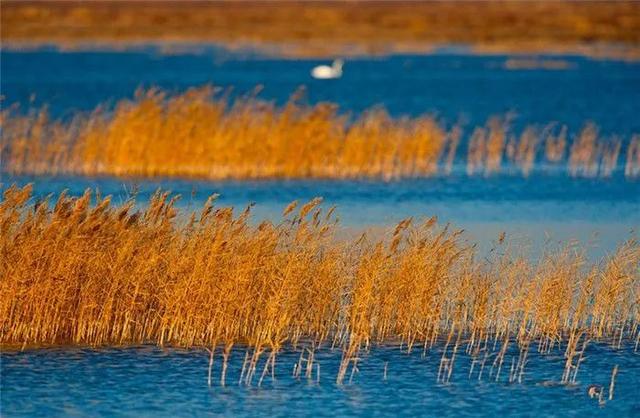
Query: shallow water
[
  {"x": 547, "y": 206},
  {"x": 147, "y": 381}
]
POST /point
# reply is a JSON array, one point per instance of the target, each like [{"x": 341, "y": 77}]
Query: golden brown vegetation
[
  {"x": 81, "y": 272},
  {"x": 328, "y": 28},
  {"x": 200, "y": 134}
]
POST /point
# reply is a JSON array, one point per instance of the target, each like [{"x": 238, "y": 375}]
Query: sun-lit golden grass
[
  {"x": 329, "y": 28},
  {"x": 84, "y": 271},
  {"x": 204, "y": 135}
]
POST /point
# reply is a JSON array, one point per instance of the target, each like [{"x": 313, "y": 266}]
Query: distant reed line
[
  {"x": 330, "y": 28},
  {"x": 199, "y": 134},
  {"x": 84, "y": 271}
]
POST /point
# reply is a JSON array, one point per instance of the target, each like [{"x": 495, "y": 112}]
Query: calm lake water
[
  {"x": 547, "y": 206},
  {"x": 456, "y": 87}
]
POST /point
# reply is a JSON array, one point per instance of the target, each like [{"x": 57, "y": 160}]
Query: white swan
[{"x": 324, "y": 72}]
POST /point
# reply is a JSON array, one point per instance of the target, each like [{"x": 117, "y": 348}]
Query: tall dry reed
[
  {"x": 85, "y": 271},
  {"x": 201, "y": 134}
]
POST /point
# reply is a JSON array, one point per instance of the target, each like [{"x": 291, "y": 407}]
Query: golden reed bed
[
  {"x": 329, "y": 28},
  {"x": 199, "y": 134},
  {"x": 83, "y": 271}
]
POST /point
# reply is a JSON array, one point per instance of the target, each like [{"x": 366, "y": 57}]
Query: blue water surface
[
  {"x": 154, "y": 382},
  {"x": 457, "y": 87}
]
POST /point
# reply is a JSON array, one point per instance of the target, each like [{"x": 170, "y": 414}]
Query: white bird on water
[{"x": 324, "y": 72}]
